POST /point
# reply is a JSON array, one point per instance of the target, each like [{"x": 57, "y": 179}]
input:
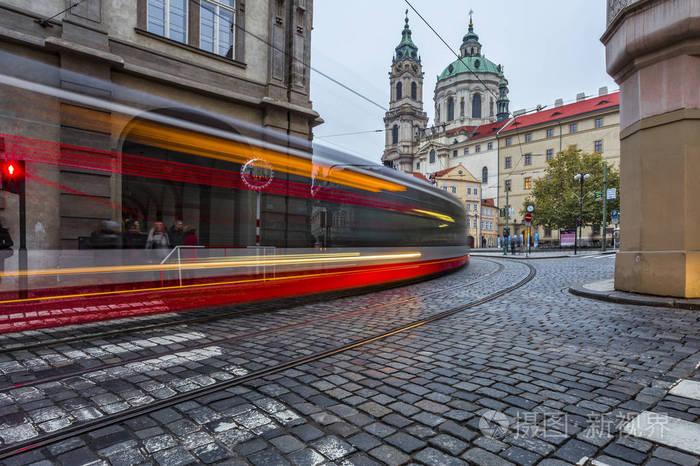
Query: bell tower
[{"x": 405, "y": 121}]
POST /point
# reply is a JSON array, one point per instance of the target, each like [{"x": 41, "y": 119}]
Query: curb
[{"x": 622, "y": 297}]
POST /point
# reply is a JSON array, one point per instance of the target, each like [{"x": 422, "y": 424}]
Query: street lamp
[{"x": 580, "y": 177}]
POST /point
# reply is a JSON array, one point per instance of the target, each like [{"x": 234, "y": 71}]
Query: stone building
[
  {"x": 527, "y": 141},
  {"x": 471, "y": 102},
  {"x": 201, "y": 61},
  {"x": 458, "y": 181}
]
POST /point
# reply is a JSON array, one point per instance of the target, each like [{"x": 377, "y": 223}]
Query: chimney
[
  {"x": 559, "y": 102},
  {"x": 580, "y": 96},
  {"x": 517, "y": 113},
  {"x": 603, "y": 90}
]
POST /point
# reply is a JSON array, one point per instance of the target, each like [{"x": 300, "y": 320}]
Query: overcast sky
[{"x": 549, "y": 48}]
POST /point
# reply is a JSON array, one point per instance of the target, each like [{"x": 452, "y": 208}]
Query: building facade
[
  {"x": 528, "y": 141},
  {"x": 244, "y": 60},
  {"x": 489, "y": 223},
  {"x": 467, "y": 188}
]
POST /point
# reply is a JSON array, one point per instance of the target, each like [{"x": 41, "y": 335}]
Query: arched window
[
  {"x": 461, "y": 107},
  {"x": 395, "y": 134},
  {"x": 484, "y": 175},
  {"x": 432, "y": 155},
  {"x": 450, "y": 109},
  {"x": 476, "y": 106},
  {"x": 398, "y": 91},
  {"x": 491, "y": 107},
  {"x": 414, "y": 91}
]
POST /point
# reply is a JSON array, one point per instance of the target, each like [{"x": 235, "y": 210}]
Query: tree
[{"x": 556, "y": 195}]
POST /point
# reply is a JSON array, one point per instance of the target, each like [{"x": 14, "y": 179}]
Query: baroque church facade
[{"x": 471, "y": 104}]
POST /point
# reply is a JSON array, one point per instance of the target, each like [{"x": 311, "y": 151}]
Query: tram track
[
  {"x": 216, "y": 316},
  {"x": 109, "y": 420},
  {"x": 208, "y": 343}
]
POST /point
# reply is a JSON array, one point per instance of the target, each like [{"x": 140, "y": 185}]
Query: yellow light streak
[
  {"x": 205, "y": 145},
  {"x": 443, "y": 217},
  {"x": 218, "y": 264},
  {"x": 199, "y": 285}
]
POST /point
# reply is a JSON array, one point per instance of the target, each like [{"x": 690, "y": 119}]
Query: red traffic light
[{"x": 12, "y": 176}]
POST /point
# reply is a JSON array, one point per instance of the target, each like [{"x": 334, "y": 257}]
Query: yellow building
[
  {"x": 527, "y": 141},
  {"x": 489, "y": 224},
  {"x": 458, "y": 181}
]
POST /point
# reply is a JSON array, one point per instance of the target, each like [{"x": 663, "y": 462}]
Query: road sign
[
  {"x": 612, "y": 194},
  {"x": 528, "y": 217},
  {"x": 530, "y": 208},
  {"x": 598, "y": 195},
  {"x": 615, "y": 215}
]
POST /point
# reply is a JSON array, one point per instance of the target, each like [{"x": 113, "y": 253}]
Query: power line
[
  {"x": 450, "y": 49},
  {"x": 351, "y": 134},
  {"x": 330, "y": 78},
  {"x": 45, "y": 22}
]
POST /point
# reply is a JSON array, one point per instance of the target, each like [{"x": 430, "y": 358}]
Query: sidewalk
[
  {"x": 604, "y": 290},
  {"x": 540, "y": 254}
]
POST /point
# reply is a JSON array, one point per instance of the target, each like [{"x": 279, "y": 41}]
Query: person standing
[
  {"x": 158, "y": 237},
  {"x": 176, "y": 234},
  {"x": 6, "y": 244}
]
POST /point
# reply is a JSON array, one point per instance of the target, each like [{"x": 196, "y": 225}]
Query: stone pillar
[{"x": 653, "y": 53}]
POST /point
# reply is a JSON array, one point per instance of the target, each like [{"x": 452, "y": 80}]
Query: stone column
[{"x": 653, "y": 53}]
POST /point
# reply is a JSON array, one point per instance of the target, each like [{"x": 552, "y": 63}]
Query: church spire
[
  {"x": 503, "y": 101},
  {"x": 406, "y": 50}
]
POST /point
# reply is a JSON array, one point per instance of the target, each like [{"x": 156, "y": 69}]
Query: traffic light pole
[
  {"x": 605, "y": 201},
  {"x": 22, "y": 233}
]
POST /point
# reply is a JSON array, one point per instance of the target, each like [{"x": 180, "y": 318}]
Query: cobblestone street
[{"x": 537, "y": 375}]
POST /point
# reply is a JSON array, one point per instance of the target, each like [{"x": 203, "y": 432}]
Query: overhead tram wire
[
  {"x": 330, "y": 78},
  {"x": 450, "y": 49},
  {"x": 45, "y": 22},
  {"x": 351, "y": 134}
]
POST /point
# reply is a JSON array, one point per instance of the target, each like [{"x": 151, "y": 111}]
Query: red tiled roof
[
  {"x": 461, "y": 128},
  {"x": 442, "y": 172},
  {"x": 564, "y": 111},
  {"x": 420, "y": 176},
  {"x": 488, "y": 202},
  {"x": 481, "y": 131}
]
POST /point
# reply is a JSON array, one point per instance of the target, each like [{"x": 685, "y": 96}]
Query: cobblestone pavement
[{"x": 535, "y": 374}]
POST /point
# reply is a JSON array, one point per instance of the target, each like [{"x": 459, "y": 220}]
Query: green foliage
[{"x": 556, "y": 195}]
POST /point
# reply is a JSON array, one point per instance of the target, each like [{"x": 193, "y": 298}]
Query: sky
[{"x": 549, "y": 49}]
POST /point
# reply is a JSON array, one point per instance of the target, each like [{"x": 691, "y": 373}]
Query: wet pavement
[{"x": 537, "y": 373}]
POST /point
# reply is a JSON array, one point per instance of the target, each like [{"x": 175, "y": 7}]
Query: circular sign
[
  {"x": 528, "y": 217},
  {"x": 530, "y": 208},
  {"x": 257, "y": 174}
]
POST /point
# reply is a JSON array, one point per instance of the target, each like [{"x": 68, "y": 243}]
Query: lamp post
[{"x": 580, "y": 177}]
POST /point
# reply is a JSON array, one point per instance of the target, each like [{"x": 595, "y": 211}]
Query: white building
[{"x": 471, "y": 105}]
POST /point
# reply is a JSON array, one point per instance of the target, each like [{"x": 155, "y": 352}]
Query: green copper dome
[
  {"x": 406, "y": 48},
  {"x": 476, "y": 64}
]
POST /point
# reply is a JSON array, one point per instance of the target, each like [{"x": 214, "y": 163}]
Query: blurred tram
[{"x": 197, "y": 210}]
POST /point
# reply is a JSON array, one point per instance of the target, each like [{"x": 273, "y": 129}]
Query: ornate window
[
  {"x": 491, "y": 107},
  {"x": 461, "y": 107},
  {"x": 398, "y": 91},
  {"x": 216, "y": 27},
  {"x": 414, "y": 91},
  {"x": 476, "y": 106},
  {"x": 450, "y": 109},
  {"x": 484, "y": 175},
  {"x": 167, "y": 18},
  {"x": 432, "y": 155},
  {"x": 395, "y": 134}
]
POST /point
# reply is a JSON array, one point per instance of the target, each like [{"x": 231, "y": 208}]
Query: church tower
[
  {"x": 503, "y": 100},
  {"x": 405, "y": 120}
]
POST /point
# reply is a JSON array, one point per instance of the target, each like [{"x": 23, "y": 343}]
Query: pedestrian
[
  {"x": 157, "y": 237},
  {"x": 189, "y": 236},
  {"x": 176, "y": 234},
  {"x": 6, "y": 244},
  {"x": 512, "y": 245}
]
